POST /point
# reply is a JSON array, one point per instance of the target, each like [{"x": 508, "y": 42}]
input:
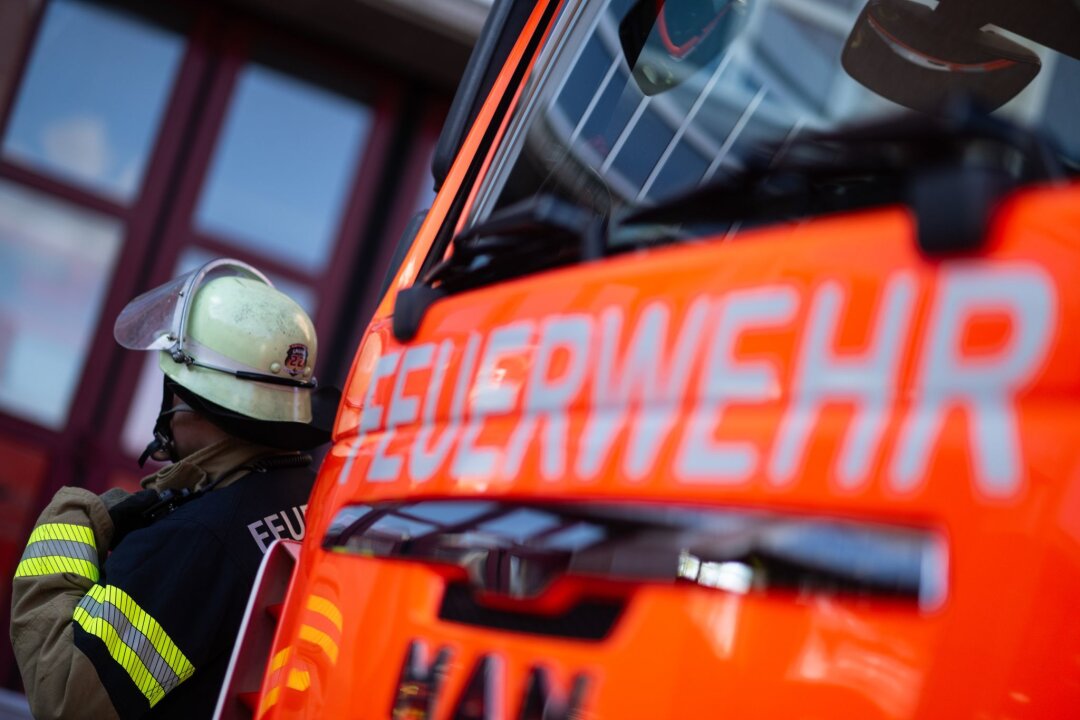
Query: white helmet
[{"x": 246, "y": 350}]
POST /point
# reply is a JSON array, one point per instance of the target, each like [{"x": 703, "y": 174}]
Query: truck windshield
[{"x": 634, "y": 101}]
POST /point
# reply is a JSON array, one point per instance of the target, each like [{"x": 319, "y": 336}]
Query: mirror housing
[
  {"x": 666, "y": 41},
  {"x": 923, "y": 58}
]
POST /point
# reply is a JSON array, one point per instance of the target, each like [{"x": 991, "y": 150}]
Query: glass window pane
[
  {"x": 56, "y": 261},
  {"x": 145, "y": 405},
  {"x": 142, "y": 413},
  {"x": 283, "y": 167},
  {"x": 92, "y": 97},
  {"x": 1063, "y": 105}
]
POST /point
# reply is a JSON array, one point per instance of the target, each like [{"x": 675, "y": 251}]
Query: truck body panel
[{"x": 809, "y": 466}]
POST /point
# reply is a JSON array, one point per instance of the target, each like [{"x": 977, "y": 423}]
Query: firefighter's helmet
[{"x": 234, "y": 347}]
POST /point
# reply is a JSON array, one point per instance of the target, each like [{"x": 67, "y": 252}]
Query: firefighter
[{"x": 127, "y": 605}]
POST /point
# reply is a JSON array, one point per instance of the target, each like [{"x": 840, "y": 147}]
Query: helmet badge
[{"x": 296, "y": 359}]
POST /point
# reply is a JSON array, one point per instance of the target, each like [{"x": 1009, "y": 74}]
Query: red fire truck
[{"x": 729, "y": 375}]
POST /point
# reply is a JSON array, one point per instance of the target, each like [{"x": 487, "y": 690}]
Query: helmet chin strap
[{"x": 163, "y": 446}]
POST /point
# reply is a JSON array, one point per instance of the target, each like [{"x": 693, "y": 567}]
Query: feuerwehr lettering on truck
[{"x": 629, "y": 374}]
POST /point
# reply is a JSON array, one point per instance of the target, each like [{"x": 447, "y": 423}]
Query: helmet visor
[{"x": 156, "y": 319}]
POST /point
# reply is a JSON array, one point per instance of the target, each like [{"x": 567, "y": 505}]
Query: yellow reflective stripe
[
  {"x": 269, "y": 700},
  {"x": 56, "y": 564},
  {"x": 321, "y": 639},
  {"x": 47, "y": 541},
  {"x": 298, "y": 680},
  {"x": 325, "y": 608},
  {"x": 147, "y": 625},
  {"x": 273, "y": 678},
  {"x": 280, "y": 659},
  {"x": 122, "y": 654},
  {"x": 63, "y": 531}
]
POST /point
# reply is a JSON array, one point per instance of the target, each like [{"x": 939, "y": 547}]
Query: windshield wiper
[
  {"x": 536, "y": 234},
  {"x": 950, "y": 170}
]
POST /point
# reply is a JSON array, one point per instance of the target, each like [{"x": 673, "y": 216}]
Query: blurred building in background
[{"x": 138, "y": 140}]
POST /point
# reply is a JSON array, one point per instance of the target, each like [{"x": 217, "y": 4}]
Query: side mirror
[
  {"x": 666, "y": 41},
  {"x": 923, "y": 58}
]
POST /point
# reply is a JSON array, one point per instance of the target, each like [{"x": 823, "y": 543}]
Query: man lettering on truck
[{"x": 147, "y": 629}]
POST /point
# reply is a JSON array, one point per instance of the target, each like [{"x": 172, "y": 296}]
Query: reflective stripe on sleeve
[
  {"x": 60, "y": 548},
  {"x": 135, "y": 641},
  {"x": 63, "y": 531}
]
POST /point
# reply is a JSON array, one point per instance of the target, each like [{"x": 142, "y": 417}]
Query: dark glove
[{"x": 128, "y": 512}]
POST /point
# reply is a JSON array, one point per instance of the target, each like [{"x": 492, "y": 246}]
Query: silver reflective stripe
[
  {"x": 62, "y": 548},
  {"x": 130, "y": 635},
  {"x": 56, "y": 548}
]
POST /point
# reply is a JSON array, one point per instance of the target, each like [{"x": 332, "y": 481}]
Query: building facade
[{"x": 138, "y": 140}]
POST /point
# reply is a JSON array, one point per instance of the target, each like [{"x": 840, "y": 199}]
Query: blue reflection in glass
[
  {"x": 575, "y": 538},
  {"x": 521, "y": 524},
  {"x": 452, "y": 512},
  {"x": 283, "y": 168},
  {"x": 399, "y": 528},
  {"x": 92, "y": 97},
  {"x": 1063, "y": 106},
  {"x": 56, "y": 260}
]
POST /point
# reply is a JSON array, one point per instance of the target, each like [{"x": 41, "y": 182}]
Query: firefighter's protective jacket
[{"x": 147, "y": 630}]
